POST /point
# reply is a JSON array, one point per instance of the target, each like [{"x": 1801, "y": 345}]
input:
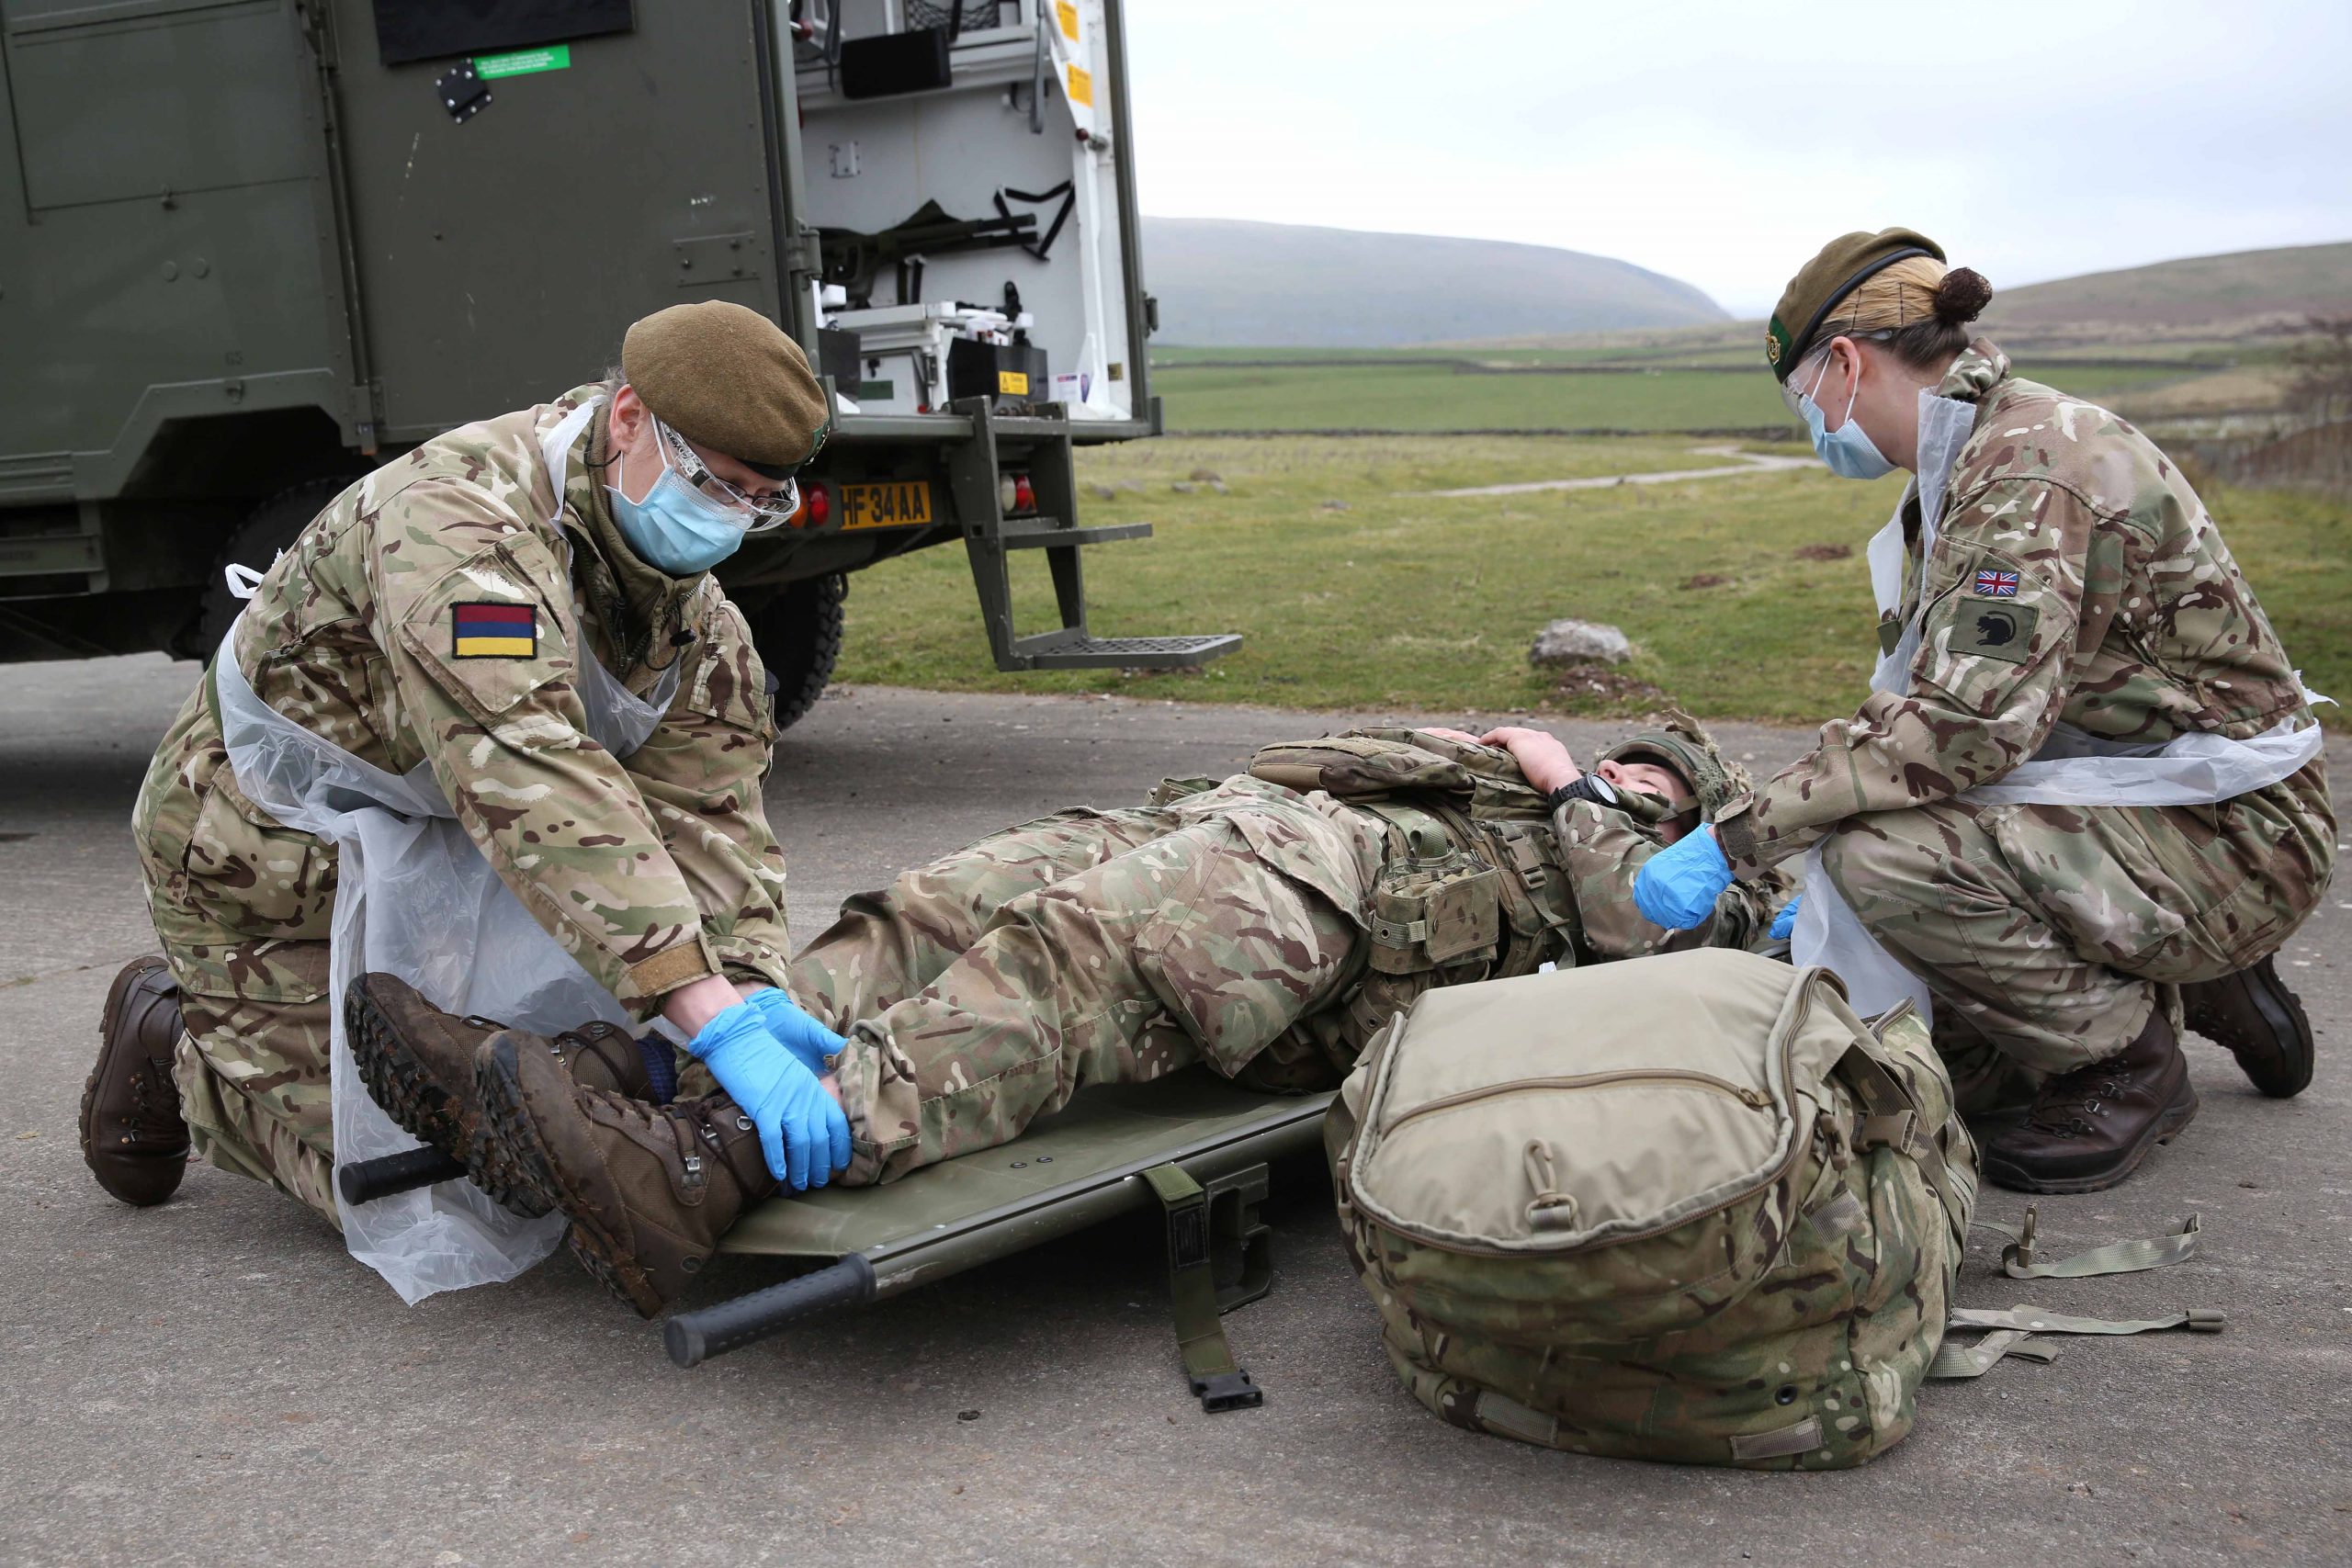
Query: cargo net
[{"x": 958, "y": 16}]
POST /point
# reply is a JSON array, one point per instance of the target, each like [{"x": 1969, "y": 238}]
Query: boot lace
[
  {"x": 154, "y": 1109},
  {"x": 2068, "y": 1103},
  {"x": 652, "y": 1122}
]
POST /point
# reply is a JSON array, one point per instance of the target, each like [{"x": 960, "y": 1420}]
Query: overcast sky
[{"x": 1723, "y": 144}]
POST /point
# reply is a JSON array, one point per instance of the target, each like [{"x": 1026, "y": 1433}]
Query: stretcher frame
[{"x": 1114, "y": 1149}]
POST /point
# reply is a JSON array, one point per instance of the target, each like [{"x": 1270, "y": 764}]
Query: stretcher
[{"x": 1193, "y": 1146}]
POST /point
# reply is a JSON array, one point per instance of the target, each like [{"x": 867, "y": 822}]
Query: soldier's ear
[{"x": 628, "y": 414}]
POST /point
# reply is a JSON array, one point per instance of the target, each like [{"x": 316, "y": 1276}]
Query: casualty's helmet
[{"x": 1680, "y": 742}]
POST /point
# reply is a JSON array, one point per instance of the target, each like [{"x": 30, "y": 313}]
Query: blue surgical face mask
[
  {"x": 1848, "y": 450},
  {"x": 676, "y": 527}
]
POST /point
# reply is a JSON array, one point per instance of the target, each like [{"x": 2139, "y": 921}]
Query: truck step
[
  {"x": 1075, "y": 650},
  {"x": 1046, "y": 533}
]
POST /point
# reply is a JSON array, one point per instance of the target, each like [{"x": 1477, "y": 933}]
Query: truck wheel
[
  {"x": 268, "y": 529},
  {"x": 798, "y": 634}
]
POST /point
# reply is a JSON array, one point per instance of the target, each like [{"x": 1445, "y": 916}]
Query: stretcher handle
[
  {"x": 365, "y": 1180},
  {"x": 693, "y": 1337}
]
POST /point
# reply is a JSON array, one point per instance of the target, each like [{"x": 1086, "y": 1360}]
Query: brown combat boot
[
  {"x": 2261, "y": 1021},
  {"x": 132, "y": 1136},
  {"x": 2090, "y": 1128},
  {"x": 418, "y": 1064},
  {"x": 650, "y": 1189}
]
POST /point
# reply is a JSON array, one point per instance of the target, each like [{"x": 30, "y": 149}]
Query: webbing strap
[
  {"x": 1218, "y": 1381},
  {"x": 1954, "y": 1360},
  {"x": 2013, "y": 1334},
  {"x": 1536, "y": 876},
  {"x": 1894, "y": 1122},
  {"x": 2116, "y": 1257},
  {"x": 2034, "y": 1320}
]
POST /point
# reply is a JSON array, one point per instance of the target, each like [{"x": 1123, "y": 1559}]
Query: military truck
[{"x": 250, "y": 249}]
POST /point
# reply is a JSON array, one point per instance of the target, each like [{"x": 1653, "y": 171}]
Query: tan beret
[
  {"x": 1844, "y": 265},
  {"x": 730, "y": 380}
]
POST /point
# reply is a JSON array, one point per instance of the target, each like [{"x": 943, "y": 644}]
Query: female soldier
[
  {"x": 506, "y": 641},
  {"x": 2087, "y": 773}
]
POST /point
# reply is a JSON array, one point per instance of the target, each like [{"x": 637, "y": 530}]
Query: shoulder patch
[
  {"x": 485, "y": 630},
  {"x": 2003, "y": 631},
  {"x": 1996, "y": 584}
]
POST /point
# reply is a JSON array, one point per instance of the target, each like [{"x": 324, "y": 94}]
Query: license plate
[{"x": 898, "y": 505}]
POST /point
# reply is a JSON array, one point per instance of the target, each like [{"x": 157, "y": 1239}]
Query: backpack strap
[
  {"x": 2013, "y": 1334},
  {"x": 1954, "y": 1360},
  {"x": 2035, "y": 1320},
  {"x": 1892, "y": 1119},
  {"x": 2116, "y": 1257}
]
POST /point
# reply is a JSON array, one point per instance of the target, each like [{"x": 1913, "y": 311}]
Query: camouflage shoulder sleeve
[
  {"x": 1604, "y": 851},
  {"x": 701, "y": 774},
  {"x": 482, "y": 660},
  {"x": 2005, "y": 597}
]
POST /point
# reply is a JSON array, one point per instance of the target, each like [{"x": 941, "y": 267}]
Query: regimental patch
[
  {"x": 1994, "y": 631},
  {"x": 1992, "y": 584},
  {"x": 496, "y": 631}
]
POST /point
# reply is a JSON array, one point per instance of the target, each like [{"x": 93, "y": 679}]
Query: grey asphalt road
[{"x": 214, "y": 1382}]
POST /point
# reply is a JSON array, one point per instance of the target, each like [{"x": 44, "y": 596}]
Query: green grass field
[
  {"x": 1403, "y": 600},
  {"x": 1438, "y": 396}
]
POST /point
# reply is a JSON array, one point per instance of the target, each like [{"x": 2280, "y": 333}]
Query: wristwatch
[{"x": 1588, "y": 786}]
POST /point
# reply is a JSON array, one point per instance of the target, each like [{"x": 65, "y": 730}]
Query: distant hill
[
  {"x": 1222, "y": 282},
  {"x": 2243, "y": 293},
  {"x": 2202, "y": 300}
]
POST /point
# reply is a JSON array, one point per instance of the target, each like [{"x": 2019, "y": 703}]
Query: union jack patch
[{"x": 1997, "y": 584}]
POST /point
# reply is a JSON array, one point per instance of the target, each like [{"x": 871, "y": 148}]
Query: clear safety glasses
[
  {"x": 759, "y": 513},
  {"x": 1807, "y": 374}
]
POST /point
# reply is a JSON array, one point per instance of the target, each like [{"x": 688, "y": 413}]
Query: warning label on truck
[
  {"x": 1082, "y": 86},
  {"x": 1013, "y": 383}
]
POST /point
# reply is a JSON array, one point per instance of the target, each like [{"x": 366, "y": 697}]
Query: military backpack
[{"x": 1689, "y": 1208}]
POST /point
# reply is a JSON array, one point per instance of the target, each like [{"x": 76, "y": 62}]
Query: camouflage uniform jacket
[
  {"x": 653, "y": 870},
  {"x": 1565, "y": 877},
  {"x": 2076, "y": 578}
]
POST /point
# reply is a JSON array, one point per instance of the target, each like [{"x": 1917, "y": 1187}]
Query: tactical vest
[{"x": 1474, "y": 885}]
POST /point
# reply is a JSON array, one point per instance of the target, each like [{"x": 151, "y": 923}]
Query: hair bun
[{"x": 1961, "y": 296}]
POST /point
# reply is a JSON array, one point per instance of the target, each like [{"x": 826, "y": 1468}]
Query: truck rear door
[{"x": 505, "y": 245}]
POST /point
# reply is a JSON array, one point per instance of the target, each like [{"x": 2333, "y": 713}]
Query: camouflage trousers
[
  {"x": 242, "y": 907},
  {"x": 252, "y": 1083},
  {"x": 983, "y": 990},
  {"x": 2047, "y": 933}
]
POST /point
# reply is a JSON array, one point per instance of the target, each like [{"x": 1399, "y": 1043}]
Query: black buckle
[{"x": 1228, "y": 1390}]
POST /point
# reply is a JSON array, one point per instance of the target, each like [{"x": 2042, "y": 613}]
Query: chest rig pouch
[{"x": 1435, "y": 904}]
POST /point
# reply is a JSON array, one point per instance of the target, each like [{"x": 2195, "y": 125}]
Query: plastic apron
[
  {"x": 415, "y": 898},
  {"x": 2073, "y": 768}
]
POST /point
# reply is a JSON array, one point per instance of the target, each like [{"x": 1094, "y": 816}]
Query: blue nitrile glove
[
  {"x": 802, "y": 1130},
  {"x": 1786, "y": 921},
  {"x": 809, "y": 1041},
  {"x": 1678, "y": 886}
]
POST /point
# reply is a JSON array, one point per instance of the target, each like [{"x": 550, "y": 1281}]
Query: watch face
[{"x": 1602, "y": 788}]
